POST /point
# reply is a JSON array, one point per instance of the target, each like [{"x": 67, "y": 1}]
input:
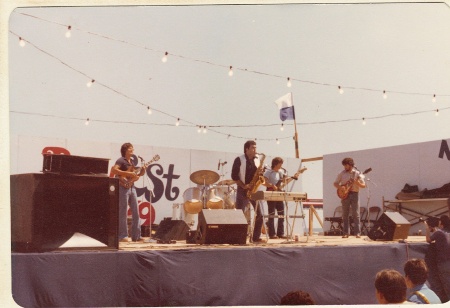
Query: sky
[{"x": 400, "y": 48}]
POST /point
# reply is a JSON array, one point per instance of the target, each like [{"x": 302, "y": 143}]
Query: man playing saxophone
[{"x": 246, "y": 172}]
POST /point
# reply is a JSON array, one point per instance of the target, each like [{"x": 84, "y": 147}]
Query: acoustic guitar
[
  {"x": 344, "y": 190},
  {"x": 127, "y": 182}
]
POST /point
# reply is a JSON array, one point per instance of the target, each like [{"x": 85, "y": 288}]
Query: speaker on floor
[
  {"x": 219, "y": 226},
  {"x": 390, "y": 226},
  {"x": 171, "y": 230}
]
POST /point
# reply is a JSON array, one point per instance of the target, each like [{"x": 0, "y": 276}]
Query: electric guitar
[
  {"x": 127, "y": 182},
  {"x": 344, "y": 190},
  {"x": 283, "y": 182}
]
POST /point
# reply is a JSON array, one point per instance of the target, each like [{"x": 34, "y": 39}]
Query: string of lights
[
  {"x": 203, "y": 128},
  {"x": 200, "y": 128},
  {"x": 339, "y": 87}
]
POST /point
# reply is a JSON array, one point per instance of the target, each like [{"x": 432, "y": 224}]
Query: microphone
[
  {"x": 218, "y": 166},
  {"x": 224, "y": 163}
]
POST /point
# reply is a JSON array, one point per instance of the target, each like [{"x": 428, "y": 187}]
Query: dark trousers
[
  {"x": 279, "y": 207},
  {"x": 241, "y": 203}
]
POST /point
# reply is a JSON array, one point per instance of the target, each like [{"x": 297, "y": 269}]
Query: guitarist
[
  {"x": 275, "y": 180},
  {"x": 350, "y": 180},
  {"x": 127, "y": 195}
]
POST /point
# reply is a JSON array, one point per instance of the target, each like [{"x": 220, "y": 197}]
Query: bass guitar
[
  {"x": 344, "y": 190},
  {"x": 127, "y": 182}
]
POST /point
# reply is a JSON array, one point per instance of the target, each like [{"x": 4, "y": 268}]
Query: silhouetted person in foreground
[{"x": 297, "y": 298}]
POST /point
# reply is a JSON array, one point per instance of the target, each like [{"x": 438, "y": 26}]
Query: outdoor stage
[{"x": 332, "y": 269}]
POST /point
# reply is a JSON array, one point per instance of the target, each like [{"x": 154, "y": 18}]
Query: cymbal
[
  {"x": 204, "y": 177},
  {"x": 226, "y": 182}
]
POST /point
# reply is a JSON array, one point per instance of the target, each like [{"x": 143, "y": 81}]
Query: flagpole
[{"x": 297, "y": 155}]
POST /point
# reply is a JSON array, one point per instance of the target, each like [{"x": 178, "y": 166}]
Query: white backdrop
[
  {"x": 168, "y": 178},
  {"x": 393, "y": 167}
]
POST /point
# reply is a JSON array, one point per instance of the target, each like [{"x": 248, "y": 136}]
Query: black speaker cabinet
[
  {"x": 221, "y": 227},
  {"x": 390, "y": 226},
  {"x": 49, "y": 209},
  {"x": 169, "y": 230}
]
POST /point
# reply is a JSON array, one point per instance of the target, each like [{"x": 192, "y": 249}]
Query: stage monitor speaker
[
  {"x": 390, "y": 226},
  {"x": 169, "y": 230},
  {"x": 221, "y": 227},
  {"x": 53, "y": 212}
]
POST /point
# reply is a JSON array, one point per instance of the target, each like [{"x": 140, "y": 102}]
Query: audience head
[
  {"x": 390, "y": 287},
  {"x": 297, "y": 298},
  {"x": 416, "y": 272}
]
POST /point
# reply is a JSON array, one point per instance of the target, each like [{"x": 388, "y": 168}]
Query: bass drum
[
  {"x": 228, "y": 195},
  {"x": 192, "y": 200},
  {"x": 214, "y": 201}
]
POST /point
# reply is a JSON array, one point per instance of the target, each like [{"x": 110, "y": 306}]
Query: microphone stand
[
  {"x": 368, "y": 204},
  {"x": 149, "y": 240}
]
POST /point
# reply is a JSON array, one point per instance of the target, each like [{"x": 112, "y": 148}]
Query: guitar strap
[{"x": 422, "y": 297}]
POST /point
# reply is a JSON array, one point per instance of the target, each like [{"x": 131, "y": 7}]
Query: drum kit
[{"x": 208, "y": 195}]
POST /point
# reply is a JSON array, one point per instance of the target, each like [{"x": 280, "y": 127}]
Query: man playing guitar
[
  {"x": 123, "y": 168},
  {"x": 348, "y": 182}
]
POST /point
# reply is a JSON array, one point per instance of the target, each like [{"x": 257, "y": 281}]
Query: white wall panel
[{"x": 393, "y": 167}]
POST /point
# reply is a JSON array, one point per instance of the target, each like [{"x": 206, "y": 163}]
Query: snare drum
[{"x": 192, "y": 200}]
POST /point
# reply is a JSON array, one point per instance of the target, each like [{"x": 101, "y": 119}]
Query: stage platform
[{"x": 332, "y": 269}]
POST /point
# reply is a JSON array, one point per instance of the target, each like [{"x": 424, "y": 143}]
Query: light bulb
[
  {"x": 68, "y": 34},
  {"x": 230, "y": 72},
  {"x": 199, "y": 129},
  {"x": 384, "y": 95},
  {"x": 178, "y": 122},
  {"x": 164, "y": 58},
  {"x": 289, "y": 83},
  {"x": 282, "y": 127},
  {"x": 341, "y": 91},
  {"x": 364, "y": 121},
  {"x": 87, "y": 122},
  {"x": 278, "y": 141},
  {"x": 434, "y": 98},
  {"x": 437, "y": 112},
  {"x": 205, "y": 130},
  {"x": 21, "y": 42},
  {"x": 89, "y": 84},
  {"x": 149, "y": 111}
]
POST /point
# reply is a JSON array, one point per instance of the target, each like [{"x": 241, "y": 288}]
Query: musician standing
[
  {"x": 244, "y": 168},
  {"x": 273, "y": 177},
  {"x": 351, "y": 178},
  {"x": 127, "y": 195}
]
